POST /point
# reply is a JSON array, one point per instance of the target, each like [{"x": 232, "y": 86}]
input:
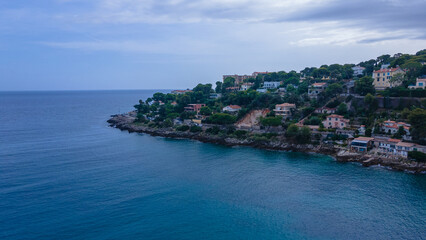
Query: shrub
[
  {"x": 417, "y": 156},
  {"x": 240, "y": 133},
  {"x": 213, "y": 130},
  {"x": 182, "y": 128},
  {"x": 221, "y": 118},
  {"x": 195, "y": 129}
]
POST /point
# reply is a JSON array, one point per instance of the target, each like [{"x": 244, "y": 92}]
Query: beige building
[
  {"x": 335, "y": 121},
  {"x": 382, "y": 78},
  {"x": 420, "y": 83},
  {"x": 284, "y": 110}
]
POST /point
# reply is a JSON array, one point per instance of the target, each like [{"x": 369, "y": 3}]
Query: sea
[{"x": 65, "y": 174}]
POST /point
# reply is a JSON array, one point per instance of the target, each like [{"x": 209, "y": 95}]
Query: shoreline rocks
[{"x": 124, "y": 122}]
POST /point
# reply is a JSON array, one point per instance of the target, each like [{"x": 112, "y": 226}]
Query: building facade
[
  {"x": 420, "y": 83},
  {"x": 316, "y": 89},
  {"x": 358, "y": 70},
  {"x": 335, "y": 121},
  {"x": 271, "y": 85},
  {"x": 382, "y": 78},
  {"x": 194, "y": 107},
  {"x": 284, "y": 110}
]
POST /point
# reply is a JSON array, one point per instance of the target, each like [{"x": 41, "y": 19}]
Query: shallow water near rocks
[{"x": 64, "y": 174}]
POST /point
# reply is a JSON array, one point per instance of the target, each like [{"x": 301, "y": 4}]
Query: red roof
[
  {"x": 335, "y": 116},
  {"x": 319, "y": 84},
  {"x": 234, "y": 106},
  {"x": 386, "y": 70}
]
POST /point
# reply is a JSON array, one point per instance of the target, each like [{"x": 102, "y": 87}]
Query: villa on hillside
[
  {"x": 271, "y": 85},
  {"x": 382, "y": 78},
  {"x": 391, "y": 127},
  {"x": 358, "y": 70},
  {"x": 238, "y": 78},
  {"x": 325, "y": 110},
  {"x": 402, "y": 148},
  {"x": 420, "y": 83},
  {"x": 194, "y": 107},
  {"x": 316, "y": 89},
  {"x": 284, "y": 110},
  {"x": 335, "y": 121},
  {"x": 231, "y": 108},
  {"x": 246, "y": 86},
  {"x": 232, "y": 89}
]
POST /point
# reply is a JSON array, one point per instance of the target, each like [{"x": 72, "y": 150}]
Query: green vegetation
[
  {"x": 417, "y": 156},
  {"x": 364, "y": 106}
]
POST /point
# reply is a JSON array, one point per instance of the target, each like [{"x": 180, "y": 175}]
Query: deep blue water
[{"x": 64, "y": 174}]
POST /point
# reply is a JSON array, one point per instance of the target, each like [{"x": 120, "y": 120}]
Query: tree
[
  {"x": 218, "y": 88},
  {"x": 167, "y": 123},
  {"x": 292, "y": 131},
  {"x": 342, "y": 109},
  {"x": 370, "y": 100},
  {"x": 397, "y": 79},
  {"x": 333, "y": 89},
  {"x": 364, "y": 85},
  {"x": 417, "y": 119},
  {"x": 159, "y": 96},
  {"x": 304, "y": 135},
  {"x": 206, "y": 111},
  {"x": 221, "y": 118},
  {"x": 204, "y": 88},
  {"x": 271, "y": 121}
]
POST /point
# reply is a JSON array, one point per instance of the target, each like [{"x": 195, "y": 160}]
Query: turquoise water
[{"x": 64, "y": 174}]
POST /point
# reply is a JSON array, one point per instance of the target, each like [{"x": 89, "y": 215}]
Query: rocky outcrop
[{"x": 125, "y": 122}]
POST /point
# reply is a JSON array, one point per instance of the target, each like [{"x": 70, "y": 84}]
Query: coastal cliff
[{"x": 125, "y": 122}]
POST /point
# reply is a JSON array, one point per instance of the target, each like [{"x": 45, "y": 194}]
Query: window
[
  {"x": 420, "y": 84},
  {"x": 388, "y": 74}
]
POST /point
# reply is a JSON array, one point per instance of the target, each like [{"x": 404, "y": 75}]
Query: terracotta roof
[
  {"x": 286, "y": 105},
  {"x": 364, "y": 138},
  {"x": 234, "y": 106},
  {"x": 405, "y": 144},
  {"x": 319, "y": 84},
  {"x": 335, "y": 116},
  {"x": 386, "y": 70}
]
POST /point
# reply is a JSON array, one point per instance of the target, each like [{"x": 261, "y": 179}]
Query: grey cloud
[{"x": 370, "y": 15}]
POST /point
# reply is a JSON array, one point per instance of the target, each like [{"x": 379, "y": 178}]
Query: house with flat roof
[
  {"x": 284, "y": 110},
  {"x": 361, "y": 144},
  {"x": 316, "y": 89},
  {"x": 271, "y": 85},
  {"x": 358, "y": 70},
  {"x": 420, "y": 83},
  {"x": 325, "y": 110},
  {"x": 194, "y": 107}
]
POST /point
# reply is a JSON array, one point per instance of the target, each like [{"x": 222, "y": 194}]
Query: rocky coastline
[{"x": 125, "y": 122}]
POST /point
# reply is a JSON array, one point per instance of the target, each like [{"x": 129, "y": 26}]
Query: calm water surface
[{"x": 64, "y": 174}]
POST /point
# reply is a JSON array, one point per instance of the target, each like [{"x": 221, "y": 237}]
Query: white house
[
  {"x": 420, "y": 83},
  {"x": 271, "y": 85},
  {"x": 231, "y": 108},
  {"x": 246, "y": 86},
  {"x": 358, "y": 70}
]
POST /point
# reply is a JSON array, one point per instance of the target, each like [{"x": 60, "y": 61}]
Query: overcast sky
[{"x": 172, "y": 44}]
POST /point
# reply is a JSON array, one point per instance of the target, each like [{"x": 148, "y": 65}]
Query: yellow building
[{"x": 382, "y": 78}]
